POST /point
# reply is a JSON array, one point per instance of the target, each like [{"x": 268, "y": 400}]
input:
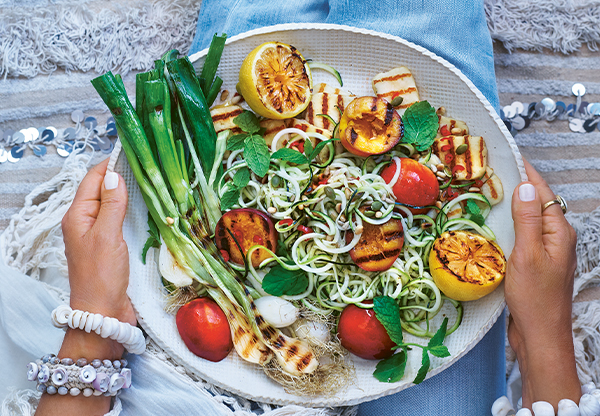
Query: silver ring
[{"x": 560, "y": 201}]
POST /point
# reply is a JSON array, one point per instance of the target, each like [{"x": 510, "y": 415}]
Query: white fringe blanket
[{"x": 73, "y": 36}]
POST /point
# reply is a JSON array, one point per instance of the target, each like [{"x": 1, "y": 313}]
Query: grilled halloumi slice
[
  {"x": 472, "y": 162},
  {"x": 222, "y": 118},
  {"x": 272, "y": 127},
  {"x": 397, "y": 82},
  {"x": 322, "y": 87},
  {"x": 307, "y": 127},
  {"x": 492, "y": 187},
  {"x": 326, "y": 103},
  {"x": 449, "y": 126}
]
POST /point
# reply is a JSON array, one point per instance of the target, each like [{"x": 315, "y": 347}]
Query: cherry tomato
[
  {"x": 362, "y": 334},
  {"x": 250, "y": 227},
  {"x": 204, "y": 329},
  {"x": 417, "y": 185}
]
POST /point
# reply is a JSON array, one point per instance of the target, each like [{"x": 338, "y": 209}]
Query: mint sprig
[
  {"x": 391, "y": 370},
  {"x": 256, "y": 151},
  {"x": 474, "y": 212},
  {"x": 232, "y": 195},
  {"x": 294, "y": 156},
  {"x": 280, "y": 281},
  {"x": 153, "y": 240},
  {"x": 420, "y": 125}
]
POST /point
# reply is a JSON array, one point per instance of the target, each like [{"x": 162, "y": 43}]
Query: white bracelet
[
  {"x": 589, "y": 405},
  {"x": 131, "y": 337}
]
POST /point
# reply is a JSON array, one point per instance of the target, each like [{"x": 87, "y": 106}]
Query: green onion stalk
[{"x": 162, "y": 139}]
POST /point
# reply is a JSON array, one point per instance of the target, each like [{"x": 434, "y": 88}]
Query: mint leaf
[
  {"x": 439, "y": 351},
  {"x": 280, "y": 281},
  {"x": 241, "y": 178},
  {"x": 438, "y": 338},
  {"x": 229, "y": 199},
  {"x": 236, "y": 142},
  {"x": 420, "y": 125},
  {"x": 150, "y": 242},
  {"x": 153, "y": 240},
  {"x": 388, "y": 313},
  {"x": 320, "y": 147},
  {"x": 281, "y": 249},
  {"x": 248, "y": 122},
  {"x": 391, "y": 369},
  {"x": 474, "y": 212},
  {"x": 422, "y": 373},
  {"x": 308, "y": 148},
  {"x": 290, "y": 155},
  {"x": 256, "y": 153}
]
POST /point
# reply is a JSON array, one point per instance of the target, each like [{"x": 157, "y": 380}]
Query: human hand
[
  {"x": 96, "y": 252},
  {"x": 98, "y": 263},
  {"x": 538, "y": 289}
]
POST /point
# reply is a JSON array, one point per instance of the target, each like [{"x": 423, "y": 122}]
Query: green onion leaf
[{"x": 280, "y": 281}]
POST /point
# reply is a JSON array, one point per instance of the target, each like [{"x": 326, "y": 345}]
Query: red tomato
[
  {"x": 204, "y": 329},
  {"x": 417, "y": 185},
  {"x": 362, "y": 334}
]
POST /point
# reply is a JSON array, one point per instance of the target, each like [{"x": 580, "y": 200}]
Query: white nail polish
[
  {"x": 111, "y": 180},
  {"x": 527, "y": 192}
]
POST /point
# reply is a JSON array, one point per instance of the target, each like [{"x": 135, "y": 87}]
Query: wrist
[
  {"x": 80, "y": 344},
  {"x": 548, "y": 372},
  {"x": 118, "y": 309}
]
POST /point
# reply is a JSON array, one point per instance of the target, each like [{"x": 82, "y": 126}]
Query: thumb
[
  {"x": 113, "y": 204},
  {"x": 527, "y": 216}
]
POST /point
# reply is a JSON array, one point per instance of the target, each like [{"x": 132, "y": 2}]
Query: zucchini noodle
[{"x": 325, "y": 210}]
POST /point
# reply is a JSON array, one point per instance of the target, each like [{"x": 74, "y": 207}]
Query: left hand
[{"x": 96, "y": 252}]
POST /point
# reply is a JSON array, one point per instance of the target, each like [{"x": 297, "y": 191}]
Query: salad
[{"x": 302, "y": 213}]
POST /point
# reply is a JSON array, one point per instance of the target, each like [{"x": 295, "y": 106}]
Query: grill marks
[{"x": 392, "y": 78}]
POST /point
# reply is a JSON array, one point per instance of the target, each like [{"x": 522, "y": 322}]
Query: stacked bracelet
[
  {"x": 63, "y": 376},
  {"x": 589, "y": 404},
  {"x": 129, "y": 336}
]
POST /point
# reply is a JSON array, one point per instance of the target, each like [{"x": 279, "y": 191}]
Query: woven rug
[{"x": 50, "y": 49}]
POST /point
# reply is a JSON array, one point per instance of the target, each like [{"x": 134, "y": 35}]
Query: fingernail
[
  {"x": 111, "y": 180},
  {"x": 527, "y": 192}
]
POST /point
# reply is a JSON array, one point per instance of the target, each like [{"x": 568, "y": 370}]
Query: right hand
[{"x": 539, "y": 290}]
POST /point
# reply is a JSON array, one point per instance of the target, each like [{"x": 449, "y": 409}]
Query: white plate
[{"x": 358, "y": 55}]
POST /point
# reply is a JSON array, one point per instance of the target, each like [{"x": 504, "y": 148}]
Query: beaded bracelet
[
  {"x": 131, "y": 337},
  {"x": 589, "y": 404},
  {"x": 63, "y": 376}
]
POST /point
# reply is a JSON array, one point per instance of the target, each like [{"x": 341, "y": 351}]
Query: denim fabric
[{"x": 453, "y": 29}]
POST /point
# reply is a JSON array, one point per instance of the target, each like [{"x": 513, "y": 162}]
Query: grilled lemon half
[
  {"x": 466, "y": 266},
  {"x": 275, "y": 81}
]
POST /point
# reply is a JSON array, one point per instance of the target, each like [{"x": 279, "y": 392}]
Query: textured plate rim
[{"x": 326, "y": 402}]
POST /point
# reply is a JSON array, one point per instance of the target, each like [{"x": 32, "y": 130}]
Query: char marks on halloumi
[
  {"x": 447, "y": 125},
  {"x": 492, "y": 187},
  {"x": 326, "y": 103},
  {"x": 222, "y": 118},
  {"x": 397, "y": 82},
  {"x": 472, "y": 162}
]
